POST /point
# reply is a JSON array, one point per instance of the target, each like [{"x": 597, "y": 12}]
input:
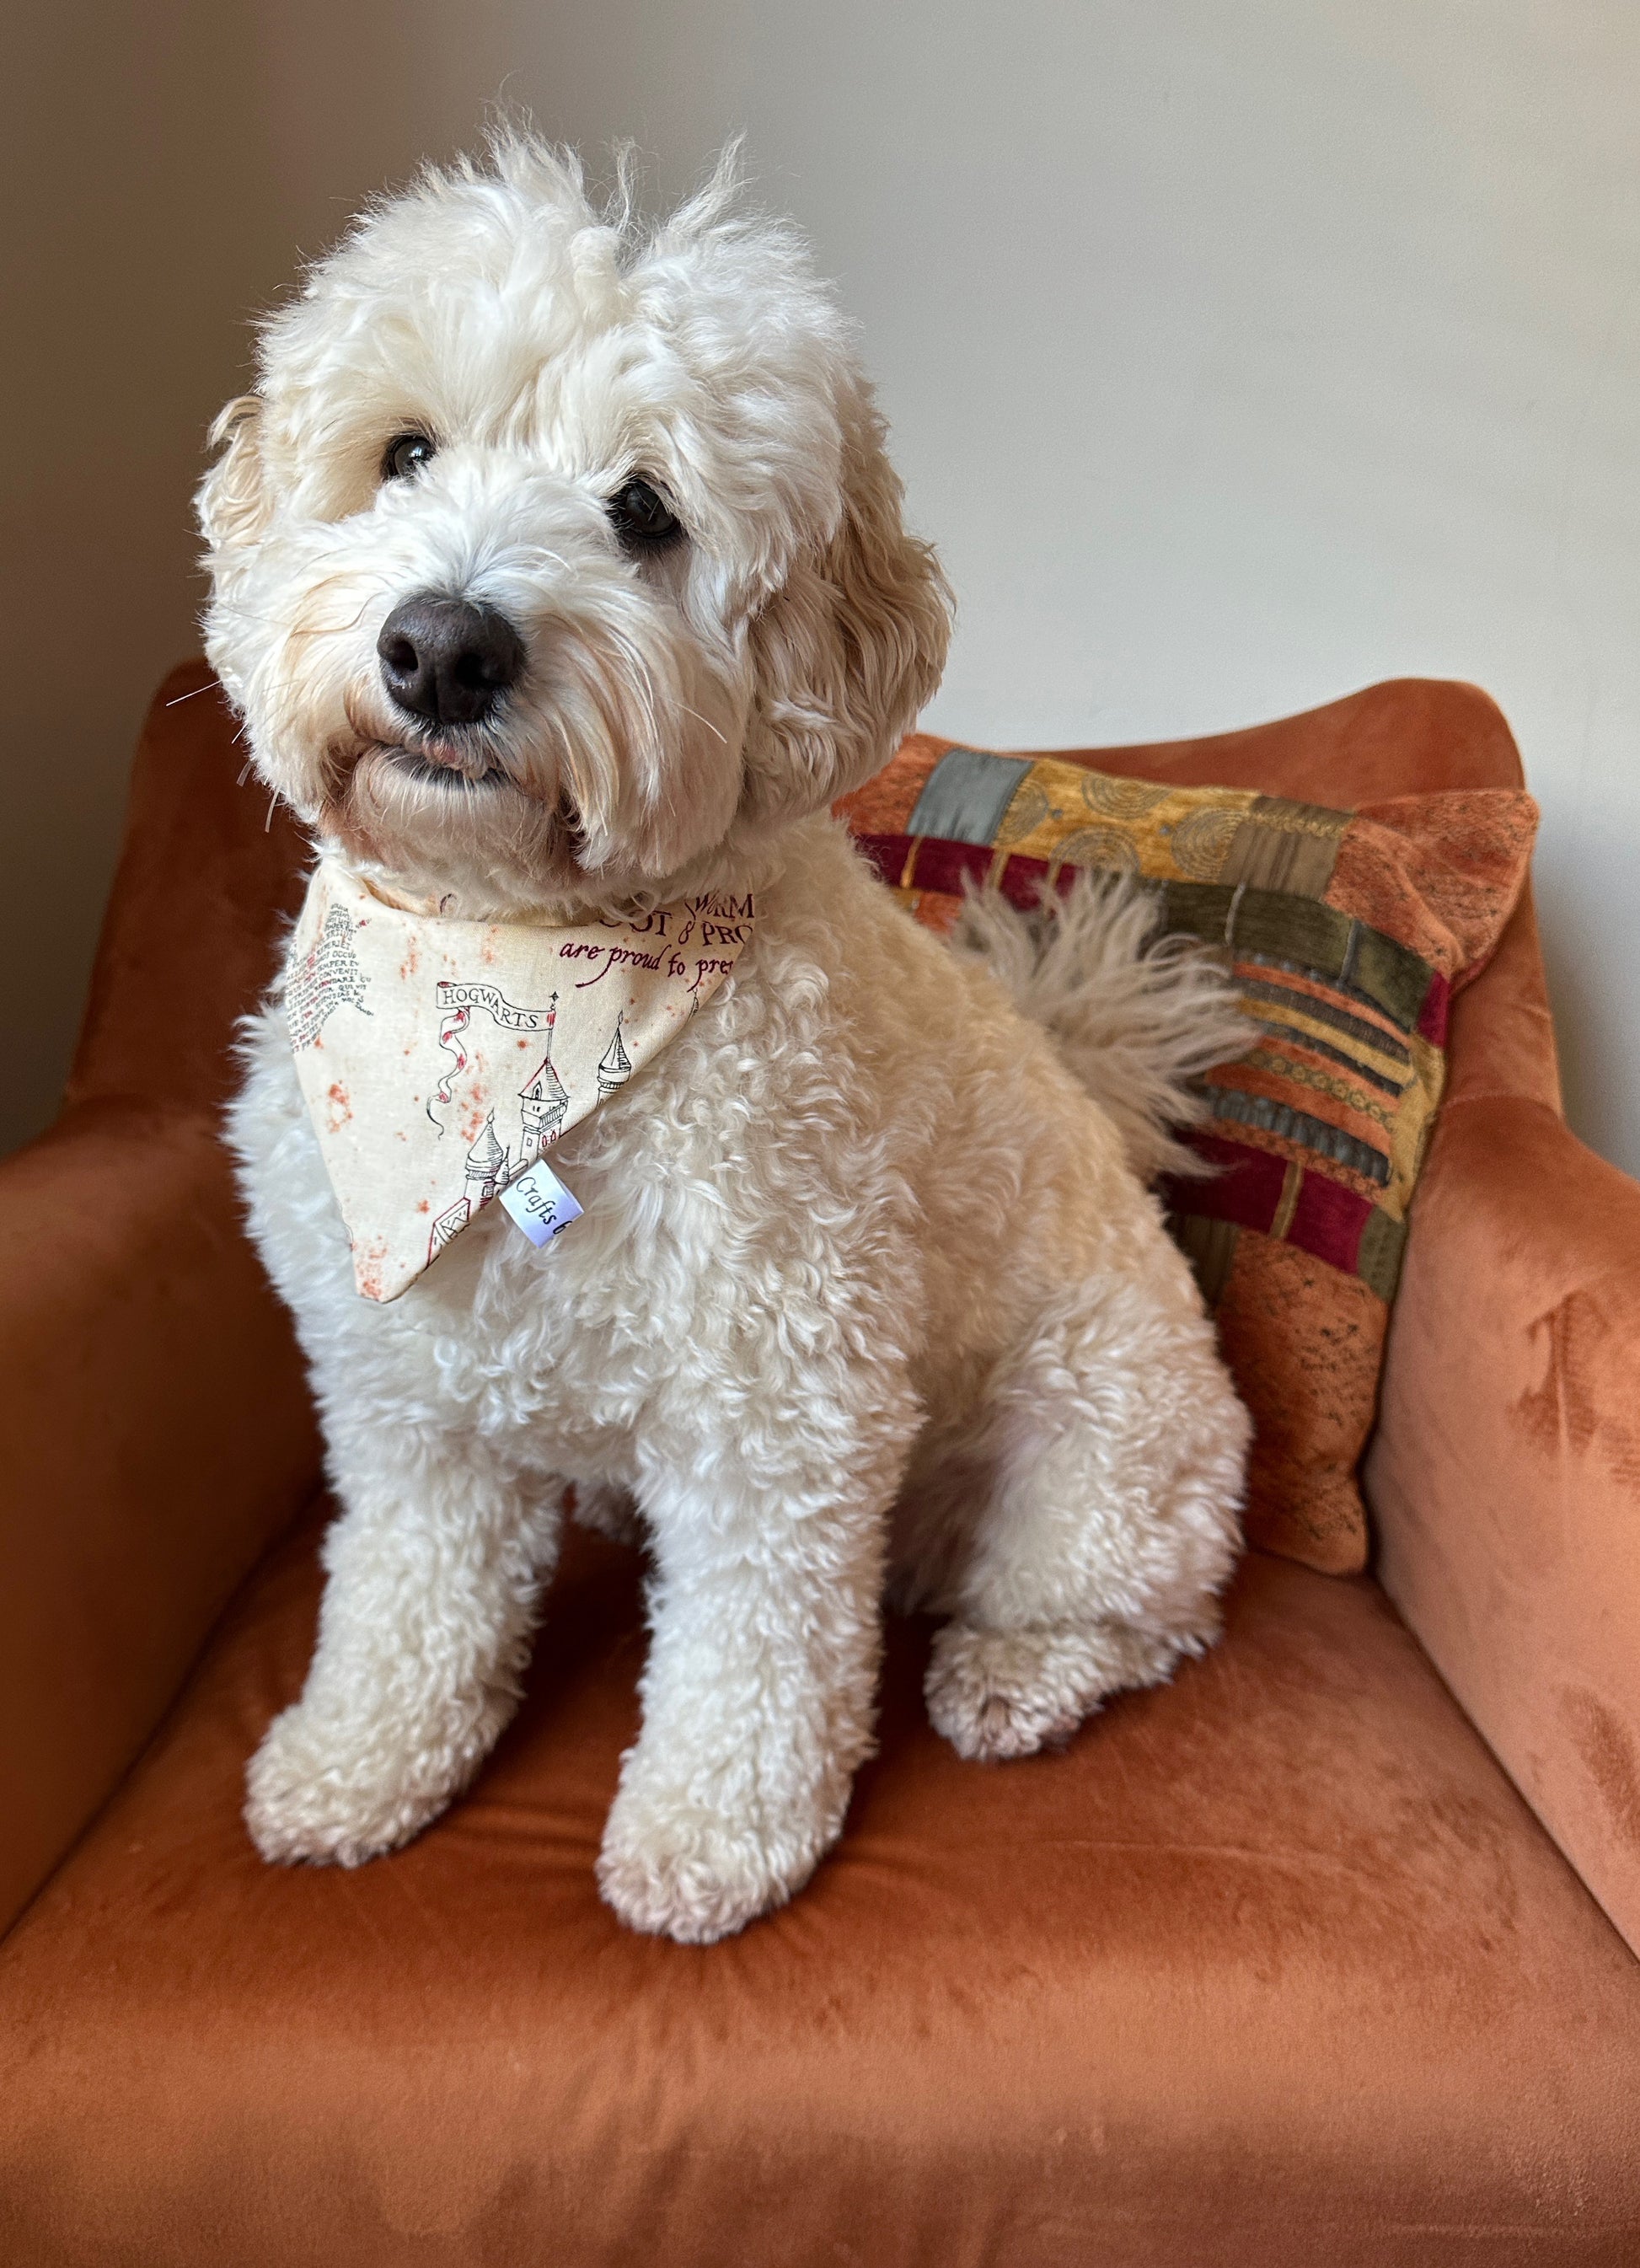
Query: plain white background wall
[{"x": 1236, "y": 356}]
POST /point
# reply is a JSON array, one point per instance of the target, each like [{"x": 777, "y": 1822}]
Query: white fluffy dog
[{"x": 866, "y": 1295}]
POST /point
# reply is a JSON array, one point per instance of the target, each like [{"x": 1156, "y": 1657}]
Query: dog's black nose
[{"x": 447, "y": 660}]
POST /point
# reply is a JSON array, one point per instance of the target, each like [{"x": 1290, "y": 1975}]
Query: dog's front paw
[
  {"x": 676, "y": 1869},
  {"x": 1001, "y": 1693},
  {"x": 996, "y": 1694},
  {"x": 312, "y": 1794}
]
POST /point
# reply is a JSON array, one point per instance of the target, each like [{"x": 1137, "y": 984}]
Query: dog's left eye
[
  {"x": 406, "y": 454},
  {"x": 641, "y": 518}
]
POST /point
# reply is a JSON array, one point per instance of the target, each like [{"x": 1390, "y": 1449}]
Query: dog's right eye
[
  {"x": 641, "y": 518},
  {"x": 406, "y": 454}
]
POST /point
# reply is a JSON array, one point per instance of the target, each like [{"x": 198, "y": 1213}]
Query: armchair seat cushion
[{"x": 1271, "y": 1965}]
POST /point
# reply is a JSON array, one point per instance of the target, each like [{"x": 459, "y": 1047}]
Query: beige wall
[{"x": 1236, "y": 356}]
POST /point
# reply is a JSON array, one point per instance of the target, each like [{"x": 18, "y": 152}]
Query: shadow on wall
[
  {"x": 162, "y": 170},
  {"x": 150, "y": 207}
]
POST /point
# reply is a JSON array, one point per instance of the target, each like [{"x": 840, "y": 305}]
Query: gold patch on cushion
[
  {"x": 1137, "y": 833},
  {"x": 1127, "y": 800}
]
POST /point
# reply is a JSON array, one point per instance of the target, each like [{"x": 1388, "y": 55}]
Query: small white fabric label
[{"x": 540, "y": 1204}]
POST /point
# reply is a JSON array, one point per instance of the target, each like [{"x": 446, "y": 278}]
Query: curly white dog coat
[{"x": 559, "y": 570}]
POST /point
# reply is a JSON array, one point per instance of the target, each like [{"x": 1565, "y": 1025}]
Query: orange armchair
[{"x": 1308, "y": 1956}]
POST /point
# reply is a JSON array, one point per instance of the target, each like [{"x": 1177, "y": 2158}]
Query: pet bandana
[{"x": 441, "y": 1059}]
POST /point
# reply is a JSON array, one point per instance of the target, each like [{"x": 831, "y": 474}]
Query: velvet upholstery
[
  {"x": 1505, "y": 1476},
  {"x": 1273, "y": 1965},
  {"x": 156, "y": 1428},
  {"x": 156, "y": 1436}
]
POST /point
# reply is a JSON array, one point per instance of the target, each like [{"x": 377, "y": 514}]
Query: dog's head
[{"x": 552, "y": 561}]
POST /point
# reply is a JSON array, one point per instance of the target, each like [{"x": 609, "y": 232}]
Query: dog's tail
[{"x": 1138, "y": 1018}]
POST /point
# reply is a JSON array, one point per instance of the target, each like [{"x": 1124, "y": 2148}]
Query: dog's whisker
[
  {"x": 721, "y": 738},
  {"x": 225, "y": 608},
  {"x": 329, "y": 630}
]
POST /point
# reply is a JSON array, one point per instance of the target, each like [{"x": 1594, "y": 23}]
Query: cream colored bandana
[{"x": 441, "y": 1059}]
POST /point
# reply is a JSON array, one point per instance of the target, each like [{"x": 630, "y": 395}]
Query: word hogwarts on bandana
[{"x": 441, "y": 1059}]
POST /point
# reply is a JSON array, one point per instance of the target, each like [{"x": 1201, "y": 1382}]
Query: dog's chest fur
[{"x": 760, "y": 1199}]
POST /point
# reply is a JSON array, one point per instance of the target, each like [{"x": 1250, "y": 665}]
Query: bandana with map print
[{"x": 441, "y": 1059}]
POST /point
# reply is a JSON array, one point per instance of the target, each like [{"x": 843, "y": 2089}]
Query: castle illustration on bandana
[{"x": 441, "y": 1059}]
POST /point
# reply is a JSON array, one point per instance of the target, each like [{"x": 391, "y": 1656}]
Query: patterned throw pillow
[{"x": 1347, "y": 932}]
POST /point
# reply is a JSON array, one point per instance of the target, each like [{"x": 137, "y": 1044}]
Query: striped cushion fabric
[{"x": 1347, "y": 932}]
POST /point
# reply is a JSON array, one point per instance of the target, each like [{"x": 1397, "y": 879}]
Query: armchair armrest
[
  {"x": 157, "y": 1435},
  {"x": 1505, "y": 1475}
]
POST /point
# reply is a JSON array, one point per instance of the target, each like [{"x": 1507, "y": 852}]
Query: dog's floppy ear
[
  {"x": 232, "y": 498},
  {"x": 849, "y": 648}
]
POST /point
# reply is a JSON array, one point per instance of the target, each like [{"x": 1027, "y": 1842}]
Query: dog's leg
[
  {"x": 1117, "y": 1446},
  {"x": 434, "y": 1569},
  {"x": 760, "y": 1691}
]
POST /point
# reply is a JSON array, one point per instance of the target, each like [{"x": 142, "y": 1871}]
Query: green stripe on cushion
[
  {"x": 1283, "y": 1034},
  {"x": 1378, "y": 1262},
  {"x": 1298, "y": 1128},
  {"x": 1325, "y": 1012},
  {"x": 966, "y": 796},
  {"x": 1297, "y": 932},
  {"x": 1285, "y": 846}
]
